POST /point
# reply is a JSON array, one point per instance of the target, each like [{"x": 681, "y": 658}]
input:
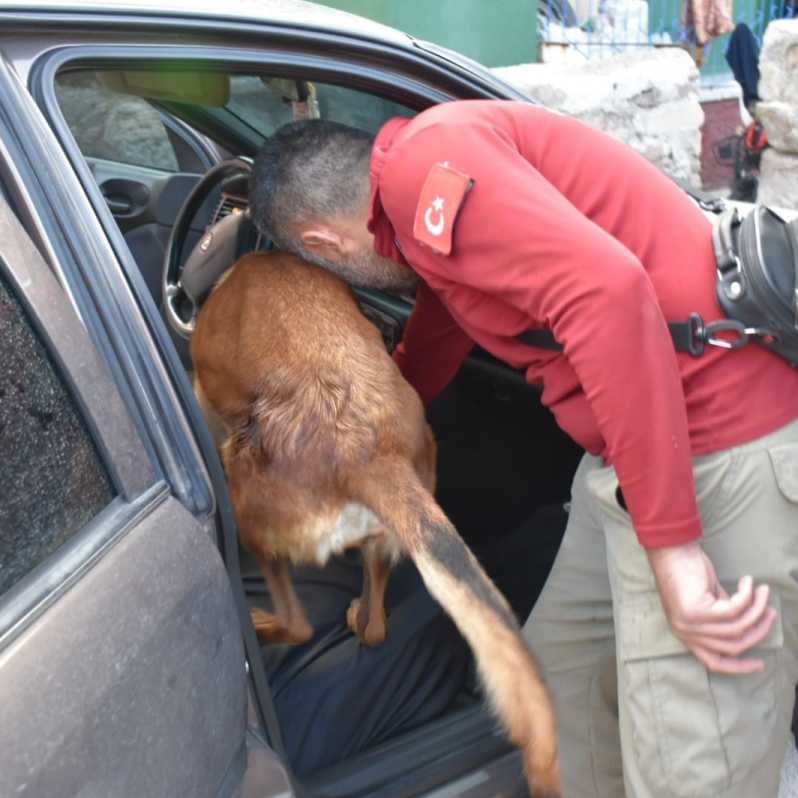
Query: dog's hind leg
[
  {"x": 288, "y": 623},
  {"x": 366, "y": 615}
]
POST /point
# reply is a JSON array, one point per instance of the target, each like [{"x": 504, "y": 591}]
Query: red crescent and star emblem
[{"x": 439, "y": 203}]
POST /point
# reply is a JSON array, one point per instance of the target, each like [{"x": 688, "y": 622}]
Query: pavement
[{"x": 789, "y": 773}]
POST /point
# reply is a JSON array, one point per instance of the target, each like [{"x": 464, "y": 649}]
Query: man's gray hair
[{"x": 307, "y": 171}]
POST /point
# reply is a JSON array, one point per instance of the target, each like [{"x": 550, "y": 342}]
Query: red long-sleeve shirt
[{"x": 564, "y": 227}]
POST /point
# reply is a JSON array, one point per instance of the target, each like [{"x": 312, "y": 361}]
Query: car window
[
  {"x": 112, "y": 125},
  {"x": 260, "y": 106},
  {"x": 356, "y": 108},
  {"x": 267, "y": 103},
  {"x": 51, "y": 479}
]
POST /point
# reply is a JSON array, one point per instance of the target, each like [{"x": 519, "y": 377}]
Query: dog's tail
[{"x": 454, "y": 577}]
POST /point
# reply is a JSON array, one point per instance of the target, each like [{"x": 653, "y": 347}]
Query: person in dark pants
[{"x": 336, "y": 698}]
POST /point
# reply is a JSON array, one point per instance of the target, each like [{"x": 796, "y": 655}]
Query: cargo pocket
[
  {"x": 785, "y": 466},
  {"x": 692, "y": 732}
]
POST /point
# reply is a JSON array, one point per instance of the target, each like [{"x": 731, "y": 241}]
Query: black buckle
[
  {"x": 700, "y": 335},
  {"x": 695, "y": 335},
  {"x": 727, "y": 325}
]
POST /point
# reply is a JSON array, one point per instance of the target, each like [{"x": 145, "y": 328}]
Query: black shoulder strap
[
  {"x": 540, "y": 339},
  {"x": 689, "y": 336},
  {"x": 723, "y": 239}
]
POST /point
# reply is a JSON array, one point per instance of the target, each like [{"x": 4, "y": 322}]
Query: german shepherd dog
[{"x": 327, "y": 447}]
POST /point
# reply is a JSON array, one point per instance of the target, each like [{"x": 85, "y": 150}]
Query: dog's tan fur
[{"x": 327, "y": 447}]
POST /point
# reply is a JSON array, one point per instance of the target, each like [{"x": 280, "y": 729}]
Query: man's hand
[{"x": 716, "y": 627}]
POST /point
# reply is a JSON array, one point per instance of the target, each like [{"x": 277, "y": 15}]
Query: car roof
[{"x": 280, "y": 12}]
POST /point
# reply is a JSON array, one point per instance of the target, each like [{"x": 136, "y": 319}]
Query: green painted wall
[{"x": 496, "y": 34}]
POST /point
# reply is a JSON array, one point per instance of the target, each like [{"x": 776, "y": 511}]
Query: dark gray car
[{"x": 128, "y": 666}]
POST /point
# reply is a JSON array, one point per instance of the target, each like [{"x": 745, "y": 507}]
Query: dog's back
[
  {"x": 328, "y": 445},
  {"x": 287, "y": 339}
]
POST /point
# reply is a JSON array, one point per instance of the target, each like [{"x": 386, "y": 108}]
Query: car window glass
[
  {"x": 112, "y": 125},
  {"x": 357, "y": 109},
  {"x": 260, "y": 106},
  {"x": 51, "y": 479},
  {"x": 266, "y": 104}
]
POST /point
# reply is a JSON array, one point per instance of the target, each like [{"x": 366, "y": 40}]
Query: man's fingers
[
  {"x": 730, "y": 608},
  {"x": 731, "y": 665},
  {"x": 733, "y": 647},
  {"x": 714, "y": 621}
]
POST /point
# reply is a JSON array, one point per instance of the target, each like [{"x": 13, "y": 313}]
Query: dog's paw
[
  {"x": 270, "y": 629},
  {"x": 370, "y": 631}
]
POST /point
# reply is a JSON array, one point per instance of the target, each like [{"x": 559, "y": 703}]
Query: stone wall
[
  {"x": 778, "y": 112},
  {"x": 649, "y": 100}
]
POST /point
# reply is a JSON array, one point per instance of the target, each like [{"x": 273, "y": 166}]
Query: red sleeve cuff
[{"x": 657, "y": 536}]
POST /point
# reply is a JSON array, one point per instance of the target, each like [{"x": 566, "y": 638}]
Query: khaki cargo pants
[{"x": 639, "y": 716}]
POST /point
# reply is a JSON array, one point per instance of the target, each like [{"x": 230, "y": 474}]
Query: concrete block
[
  {"x": 672, "y": 117},
  {"x": 778, "y": 179},
  {"x": 647, "y": 99},
  {"x": 778, "y": 62},
  {"x": 780, "y": 121}
]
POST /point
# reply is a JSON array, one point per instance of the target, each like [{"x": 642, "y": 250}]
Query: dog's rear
[{"x": 329, "y": 447}]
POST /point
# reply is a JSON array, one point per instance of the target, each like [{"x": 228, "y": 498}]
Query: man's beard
[{"x": 369, "y": 270}]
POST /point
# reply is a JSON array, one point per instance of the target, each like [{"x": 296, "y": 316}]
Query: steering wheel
[{"x": 186, "y": 286}]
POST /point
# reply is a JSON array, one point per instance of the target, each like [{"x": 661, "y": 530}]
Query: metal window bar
[{"x": 598, "y": 29}]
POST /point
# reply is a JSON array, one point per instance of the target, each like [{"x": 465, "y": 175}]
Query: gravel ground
[{"x": 789, "y": 773}]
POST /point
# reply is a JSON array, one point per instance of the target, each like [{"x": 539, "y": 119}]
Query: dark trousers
[
  {"x": 742, "y": 55},
  {"x": 335, "y": 697}
]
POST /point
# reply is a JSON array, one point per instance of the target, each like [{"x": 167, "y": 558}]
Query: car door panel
[
  {"x": 144, "y": 203},
  {"x": 121, "y": 655},
  {"x": 132, "y": 682}
]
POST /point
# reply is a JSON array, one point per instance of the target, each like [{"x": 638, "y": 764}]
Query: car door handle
[
  {"x": 119, "y": 205},
  {"x": 125, "y": 197}
]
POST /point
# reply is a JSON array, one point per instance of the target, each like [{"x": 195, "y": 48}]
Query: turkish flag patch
[{"x": 441, "y": 197}]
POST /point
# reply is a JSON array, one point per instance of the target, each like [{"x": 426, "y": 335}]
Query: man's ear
[{"x": 325, "y": 242}]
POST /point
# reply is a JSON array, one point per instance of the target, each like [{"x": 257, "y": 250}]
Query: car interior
[{"x": 154, "y": 141}]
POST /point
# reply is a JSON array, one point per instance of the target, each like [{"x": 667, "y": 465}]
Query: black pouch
[{"x": 757, "y": 258}]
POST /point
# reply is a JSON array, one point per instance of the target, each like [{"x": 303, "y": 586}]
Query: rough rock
[
  {"x": 116, "y": 127},
  {"x": 778, "y": 62},
  {"x": 780, "y": 121},
  {"x": 649, "y": 100},
  {"x": 778, "y": 179},
  {"x": 778, "y": 113}
]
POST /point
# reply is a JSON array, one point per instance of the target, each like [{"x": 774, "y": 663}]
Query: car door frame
[
  {"x": 112, "y": 301},
  {"x": 329, "y": 58}
]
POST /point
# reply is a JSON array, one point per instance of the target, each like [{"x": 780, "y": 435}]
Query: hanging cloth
[{"x": 703, "y": 20}]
